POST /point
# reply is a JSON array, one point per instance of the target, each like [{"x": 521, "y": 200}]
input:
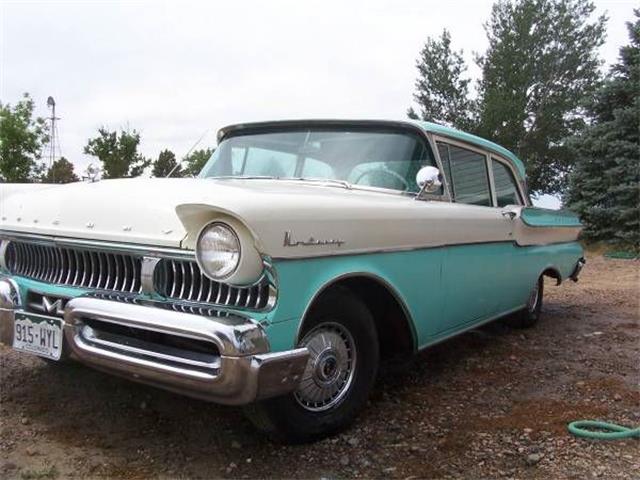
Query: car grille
[
  {"x": 183, "y": 280},
  {"x": 75, "y": 267},
  {"x": 178, "y": 280}
]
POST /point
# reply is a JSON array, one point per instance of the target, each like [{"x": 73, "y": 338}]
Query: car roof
[
  {"x": 426, "y": 126},
  {"x": 474, "y": 139}
]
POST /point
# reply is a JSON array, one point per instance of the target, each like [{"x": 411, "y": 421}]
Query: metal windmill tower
[{"x": 54, "y": 142}]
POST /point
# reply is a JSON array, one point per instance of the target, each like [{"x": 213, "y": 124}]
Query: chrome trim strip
[
  {"x": 146, "y": 275},
  {"x": 413, "y": 249},
  {"x": 3, "y": 250},
  {"x": 148, "y": 250},
  {"x": 108, "y": 340}
]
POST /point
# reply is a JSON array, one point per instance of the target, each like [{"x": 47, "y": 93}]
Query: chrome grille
[
  {"x": 183, "y": 280},
  {"x": 75, "y": 267}
]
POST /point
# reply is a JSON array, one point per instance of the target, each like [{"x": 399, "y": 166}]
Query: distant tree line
[{"x": 23, "y": 136}]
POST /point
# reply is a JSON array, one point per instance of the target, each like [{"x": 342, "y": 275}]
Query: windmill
[{"x": 54, "y": 144}]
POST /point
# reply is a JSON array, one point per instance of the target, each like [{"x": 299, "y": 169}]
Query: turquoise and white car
[{"x": 305, "y": 255}]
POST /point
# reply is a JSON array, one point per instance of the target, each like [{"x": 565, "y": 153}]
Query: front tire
[
  {"x": 530, "y": 315},
  {"x": 343, "y": 363}
]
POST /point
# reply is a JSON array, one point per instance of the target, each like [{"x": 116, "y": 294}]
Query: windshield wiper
[
  {"x": 246, "y": 177},
  {"x": 342, "y": 183}
]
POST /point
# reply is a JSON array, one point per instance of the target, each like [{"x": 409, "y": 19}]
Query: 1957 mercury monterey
[{"x": 304, "y": 256}]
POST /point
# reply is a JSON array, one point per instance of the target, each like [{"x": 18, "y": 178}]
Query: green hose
[
  {"x": 615, "y": 432},
  {"x": 622, "y": 255}
]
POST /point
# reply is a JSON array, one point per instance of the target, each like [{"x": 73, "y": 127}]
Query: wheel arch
[
  {"x": 389, "y": 309},
  {"x": 553, "y": 272}
]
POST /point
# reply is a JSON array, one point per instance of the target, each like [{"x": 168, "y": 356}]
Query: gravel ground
[{"x": 492, "y": 403}]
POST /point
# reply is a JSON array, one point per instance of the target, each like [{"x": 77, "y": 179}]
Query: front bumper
[{"x": 223, "y": 359}]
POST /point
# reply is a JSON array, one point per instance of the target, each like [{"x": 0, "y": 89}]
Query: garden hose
[
  {"x": 605, "y": 431},
  {"x": 622, "y": 255}
]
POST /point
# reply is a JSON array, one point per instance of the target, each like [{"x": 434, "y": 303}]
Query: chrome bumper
[{"x": 223, "y": 359}]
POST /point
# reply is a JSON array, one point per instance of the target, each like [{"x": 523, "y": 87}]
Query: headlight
[{"x": 218, "y": 251}]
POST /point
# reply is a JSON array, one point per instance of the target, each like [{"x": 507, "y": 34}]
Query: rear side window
[
  {"x": 466, "y": 173},
  {"x": 505, "y": 184}
]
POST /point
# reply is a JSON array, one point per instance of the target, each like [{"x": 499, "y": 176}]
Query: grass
[{"x": 46, "y": 472}]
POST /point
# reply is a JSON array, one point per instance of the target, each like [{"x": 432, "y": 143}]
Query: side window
[
  {"x": 443, "y": 150},
  {"x": 505, "y": 184},
  {"x": 260, "y": 161},
  {"x": 466, "y": 172}
]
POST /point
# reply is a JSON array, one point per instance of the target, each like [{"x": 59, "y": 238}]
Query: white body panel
[{"x": 320, "y": 219}]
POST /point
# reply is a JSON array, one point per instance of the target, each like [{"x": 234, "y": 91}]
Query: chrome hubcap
[{"x": 330, "y": 368}]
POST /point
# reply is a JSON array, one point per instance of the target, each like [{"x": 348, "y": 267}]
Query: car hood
[{"x": 156, "y": 211}]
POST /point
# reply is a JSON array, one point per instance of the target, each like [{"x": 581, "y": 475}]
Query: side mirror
[{"x": 428, "y": 179}]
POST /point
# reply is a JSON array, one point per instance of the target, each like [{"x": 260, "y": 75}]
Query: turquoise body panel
[
  {"x": 542, "y": 217},
  {"x": 444, "y": 290}
]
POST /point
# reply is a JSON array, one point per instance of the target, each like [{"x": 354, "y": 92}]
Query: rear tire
[
  {"x": 343, "y": 363},
  {"x": 530, "y": 315}
]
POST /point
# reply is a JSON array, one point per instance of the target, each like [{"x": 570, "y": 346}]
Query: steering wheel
[{"x": 390, "y": 173}]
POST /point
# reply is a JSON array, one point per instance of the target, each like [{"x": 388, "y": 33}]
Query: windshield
[{"x": 372, "y": 158}]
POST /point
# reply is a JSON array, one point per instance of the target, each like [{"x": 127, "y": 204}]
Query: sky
[{"x": 177, "y": 71}]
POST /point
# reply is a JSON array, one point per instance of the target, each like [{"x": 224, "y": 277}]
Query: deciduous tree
[
  {"x": 118, "y": 153},
  {"x": 541, "y": 62},
  {"x": 21, "y": 139},
  {"x": 193, "y": 163}
]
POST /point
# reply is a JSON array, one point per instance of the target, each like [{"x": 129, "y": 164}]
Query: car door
[
  {"x": 478, "y": 258},
  {"x": 509, "y": 200}
]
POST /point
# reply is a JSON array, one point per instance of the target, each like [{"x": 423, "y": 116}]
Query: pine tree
[
  {"x": 166, "y": 164},
  {"x": 442, "y": 89},
  {"x": 604, "y": 186},
  {"x": 60, "y": 172},
  {"x": 21, "y": 139}
]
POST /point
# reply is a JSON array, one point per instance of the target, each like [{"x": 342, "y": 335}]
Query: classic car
[{"x": 305, "y": 255}]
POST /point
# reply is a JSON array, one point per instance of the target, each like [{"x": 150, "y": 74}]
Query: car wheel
[
  {"x": 343, "y": 362},
  {"x": 530, "y": 315}
]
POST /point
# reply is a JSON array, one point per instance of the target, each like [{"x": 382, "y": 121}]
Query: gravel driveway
[{"x": 492, "y": 403}]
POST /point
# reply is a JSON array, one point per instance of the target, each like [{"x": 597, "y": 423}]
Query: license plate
[{"x": 38, "y": 334}]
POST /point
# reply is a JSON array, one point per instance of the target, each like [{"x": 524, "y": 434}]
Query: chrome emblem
[
  {"x": 311, "y": 242},
  {"x": 50, "y": 306}
]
